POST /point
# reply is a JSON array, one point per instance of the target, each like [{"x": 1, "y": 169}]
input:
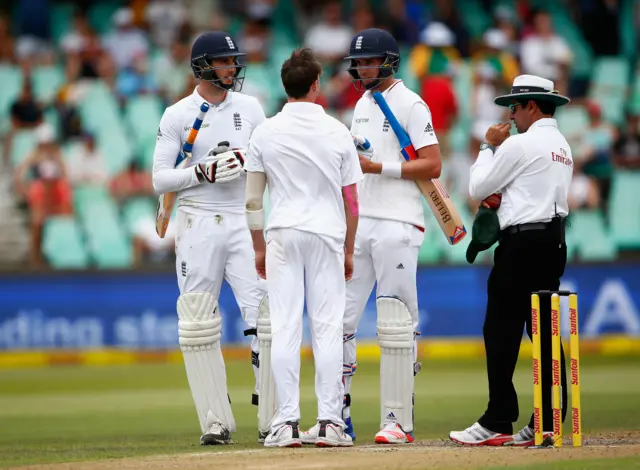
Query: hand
[
  {"x": 348, "y": 266},
  {"x": 497, "y": 134},
  {"x": 225, "y": 167},
  {"x": 221, "y": 148},
  {"x": 261, "y": 269},
  {"x": 363, "y": 146},
  {"x": 366, "y": 165}
]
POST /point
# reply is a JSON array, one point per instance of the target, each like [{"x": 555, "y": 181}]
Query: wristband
[
  {"x": 255, "y": 219},
  {"x": 392, "y": 169}
]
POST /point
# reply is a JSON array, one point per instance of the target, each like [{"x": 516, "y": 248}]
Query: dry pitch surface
[{"x": 432, "y": 454}]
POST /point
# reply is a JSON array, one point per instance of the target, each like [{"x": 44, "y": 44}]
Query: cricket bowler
[{"x": 310, "y": 164}]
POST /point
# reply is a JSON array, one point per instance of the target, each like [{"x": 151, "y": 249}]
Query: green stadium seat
[
  {"x": 101, "y": 14},
  {"x": 135, "y": 210},
  {"x": 109, "y": 245},
  {"x": 609, "y": 87},
  {"x": 46, "y": 82},
  {"x": 143, "y": 114},
  {"x": 22, "y": 144},
  {"x": 86, "y": 196},
  {"x": 117, "y": 148},
  {"x": 593, "y": 242},
  {"x": 624, "y": 208},
  {"x": 572, "y": 120},
  {"x": 62, "y": 243},
  {"x": 11, "y": 78}
]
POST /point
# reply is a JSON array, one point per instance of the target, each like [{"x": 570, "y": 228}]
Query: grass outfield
[{"x": 74, "y": 413}]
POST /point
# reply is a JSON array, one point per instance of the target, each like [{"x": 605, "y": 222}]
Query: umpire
[{"x": 532, "y": 171}]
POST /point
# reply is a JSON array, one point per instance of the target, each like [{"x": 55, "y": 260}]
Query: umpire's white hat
[{"x": 532, "y": 87}]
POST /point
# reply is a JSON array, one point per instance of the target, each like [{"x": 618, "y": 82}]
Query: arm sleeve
[
  {"x": 253, "y": 161},
  {"x": 350, "y": 170},
  {"x": 420, "y": 126},
  {"x": 491, "y": 173},
  {"x": 256, "y": 184},
  {"x": 166, "y": 177}
]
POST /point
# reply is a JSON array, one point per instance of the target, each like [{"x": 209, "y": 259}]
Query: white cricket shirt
[
  {"x": 532, "y": 170},
  {"x": 308, "y": 157},
  {"x": 381, "y": 196},
  {"x": 233, "y": 120}
]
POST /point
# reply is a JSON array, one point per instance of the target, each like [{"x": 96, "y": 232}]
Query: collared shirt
[
  {"x": 308, "y": 157},
  {"x": 532, "y": 170},
  {"x": 381, "y": 196},
  {"x": 233, "y": 120}
]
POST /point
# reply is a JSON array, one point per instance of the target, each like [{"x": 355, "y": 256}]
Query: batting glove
[
  {"x": 225, "y": 167},
  {"x": 363, "y": 146}
]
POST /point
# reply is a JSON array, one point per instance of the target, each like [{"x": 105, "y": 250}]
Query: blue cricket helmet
[
  {"x": 370, "y": 44},
  {"x": 216, "y": 45}
]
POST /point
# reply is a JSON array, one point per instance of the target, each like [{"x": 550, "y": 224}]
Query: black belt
[
  {"x": 523, "y": 227},
  {"x": 556, "y": 225}
]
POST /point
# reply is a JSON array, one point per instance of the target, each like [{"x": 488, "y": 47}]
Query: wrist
[
  {"x": 486, "y": 145},
  {"x": 392, "y": 169}
]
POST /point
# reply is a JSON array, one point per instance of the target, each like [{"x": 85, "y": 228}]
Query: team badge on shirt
[{"x": 237, "y": 121}]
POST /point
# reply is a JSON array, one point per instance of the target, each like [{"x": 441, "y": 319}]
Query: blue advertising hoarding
[{"x": 133, "y": 310}]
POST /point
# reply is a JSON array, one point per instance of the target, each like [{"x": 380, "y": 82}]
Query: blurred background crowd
[{"x": 83, "y": 85}]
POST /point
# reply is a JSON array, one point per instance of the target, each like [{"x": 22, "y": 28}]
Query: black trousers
[{"x": 523, "y": 262}]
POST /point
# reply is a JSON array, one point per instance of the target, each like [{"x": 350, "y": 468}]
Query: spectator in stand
[
  {"x": 255, "y": 39},
  {"x": 331, "y": 37},
  {"x": 134, "y": 181},
  {"x": 434, "y": 62},
  {"x": 25, "y": 111},
  {"x": 87, "y": 165},
  {"x": 546, "y": 54},
  {"x": 626, "y": 150},
  {"x": 165, "y": 19},
  {"x": 83, "y": 49},
  {"x": 6, "y": 42},
  {"x": 41, "y": 179},
  {"x": 583, "y": 192},
  {"x": 593, "y": 156},
  {"x": 34, "y": 33},
  {"x": 172, "y": 69},
  {"x": 126, "y": 44}
]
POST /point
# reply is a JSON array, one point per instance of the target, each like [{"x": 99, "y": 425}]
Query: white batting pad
[
  {"x": 395, "y": 335},
  {"x": 267, "y": 404},
  {"x": 199, "y": 333}
]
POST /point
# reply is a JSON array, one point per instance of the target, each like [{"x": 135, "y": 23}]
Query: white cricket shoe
[
  {"x": 287, "y": 435},
  {"x": 392, "y": 433},
  {"x": 527, "y": 438},
  {"x": 477, "y": 435},
  {"x": 332, "y": 435},
  {"x": 216, "y": 434},
  {"x": 310, "y": 436}
]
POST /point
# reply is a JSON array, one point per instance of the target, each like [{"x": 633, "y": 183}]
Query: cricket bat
[
  {"x": 437, "y": 197},
  {"x": 166, "y": 201}
]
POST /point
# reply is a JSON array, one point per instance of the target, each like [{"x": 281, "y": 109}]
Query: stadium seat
[
  {"x": 143, "y": 114},
  {"x": 624, "y": 208},
  {"x": 117, "y": 148},
  {"x": 609, "y": 87},
  {"x": 136, "y": 209},
  {"x": 46, "y": 82},
  {"x": 22, "y": 144},
  {"x": 62, "y": 243},
  {"x": 572, "y": 121},
  {"x": 11, "y": 79},
  {"x": 590, "y": 236},
  {"x": 61, "y": 19},
  {"x": 109, "y": 245}
]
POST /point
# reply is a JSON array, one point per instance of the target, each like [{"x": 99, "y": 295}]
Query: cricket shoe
[
  {"x": 332, "y": 435},
  {"x": 262, "y": 436},
  {"x": 478, "y": 435},
  {"x": 216, "y": 435},
  {"x": 392, "y": 433},
  {"x": 527, "y": 438},
  {"x": 310, "y": 436},
  {"x": 287, "y": 435}
]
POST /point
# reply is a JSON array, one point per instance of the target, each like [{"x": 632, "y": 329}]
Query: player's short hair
[{"x": 299, "y": 72}]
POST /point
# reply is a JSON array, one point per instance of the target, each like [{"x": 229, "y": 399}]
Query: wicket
[{"x": 574, "y": 344}]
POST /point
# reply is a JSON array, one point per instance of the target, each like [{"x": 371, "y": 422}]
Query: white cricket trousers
[{"x": 301, "y": 264}]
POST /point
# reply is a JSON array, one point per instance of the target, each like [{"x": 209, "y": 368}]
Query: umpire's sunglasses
[{"x": 512, "y": 107}]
